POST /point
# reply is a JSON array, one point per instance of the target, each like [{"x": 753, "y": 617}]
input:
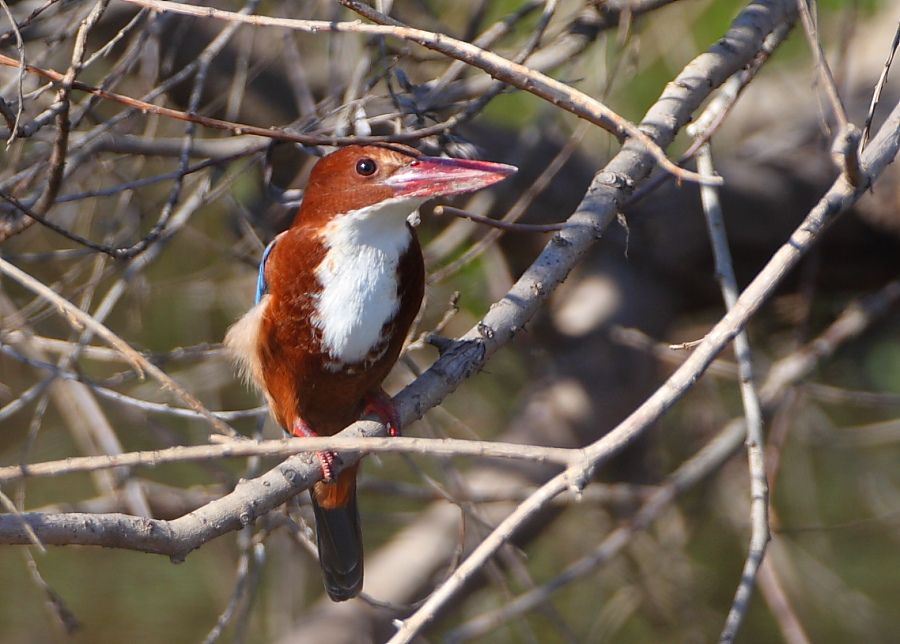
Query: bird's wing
[{"x": 261, "y": 287}]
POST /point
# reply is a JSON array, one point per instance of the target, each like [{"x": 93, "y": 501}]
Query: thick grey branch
[
  {"x": 840, "y": 197},
  {"x": 609, "y": 189},
  {"x": 249, "y": 500}
]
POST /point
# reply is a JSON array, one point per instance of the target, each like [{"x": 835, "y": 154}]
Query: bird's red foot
[
  {"x": 380, "y": 404},
  {"x": 327, "y": 459}
]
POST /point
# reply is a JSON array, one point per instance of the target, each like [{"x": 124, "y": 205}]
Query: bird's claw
[
  {"x": 381, "y": 405},
  {"x": 327, "y": 459}
]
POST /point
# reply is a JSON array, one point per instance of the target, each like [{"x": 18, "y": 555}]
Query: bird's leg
[
  {"x": 380, "y": 404},
  {"x": 326, "y": 458}
]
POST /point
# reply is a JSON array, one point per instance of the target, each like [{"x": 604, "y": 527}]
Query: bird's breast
[{"x": 360, "y": 280}]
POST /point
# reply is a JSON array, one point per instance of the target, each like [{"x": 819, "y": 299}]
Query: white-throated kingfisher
[{"x": 336, "y": 295}]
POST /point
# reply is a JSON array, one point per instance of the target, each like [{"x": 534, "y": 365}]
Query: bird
[{"x": 336, "y": 295}]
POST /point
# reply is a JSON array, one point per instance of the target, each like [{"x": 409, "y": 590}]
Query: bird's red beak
[{"x": 437, "y": 176}]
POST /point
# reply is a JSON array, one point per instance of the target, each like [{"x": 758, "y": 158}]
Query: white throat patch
[{"x": 359, "y": 278}]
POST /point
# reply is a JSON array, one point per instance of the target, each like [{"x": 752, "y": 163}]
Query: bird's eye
[{"x": 366, "y": 167}]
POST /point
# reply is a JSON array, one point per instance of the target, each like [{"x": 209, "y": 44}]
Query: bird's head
[{"x": 365, "y": 177}]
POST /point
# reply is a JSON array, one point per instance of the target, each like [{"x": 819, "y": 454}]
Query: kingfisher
[{"x": 336, "y": 295}]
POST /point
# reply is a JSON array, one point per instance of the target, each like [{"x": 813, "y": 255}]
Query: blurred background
[{"x": 196, "y": 206}]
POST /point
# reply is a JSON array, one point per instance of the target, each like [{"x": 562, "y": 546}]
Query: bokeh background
[{"x": 589, "y": 358}]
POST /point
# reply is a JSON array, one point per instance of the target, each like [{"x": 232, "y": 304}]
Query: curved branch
[
  {"x": 838, "y": 199},
  {"x": 520, "y": 76},
  {"x": 466, "y": 356},
  {"x": 249, "y": 500}
]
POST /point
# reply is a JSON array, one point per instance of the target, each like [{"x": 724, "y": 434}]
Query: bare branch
[
  {"x": 515, "y": 74},
  {"x": 846, "y": 144},
  {"x": 759, "y": 487},
  {"x": 703, "y": 464},
  {"x": 879, "y": 87},
  {"x": 836, "y": 200},
  {"x": 447, "y": 447},
  {"x": 141, "y": 364},
  {"x": 252, "y": 498},
  {"x": 184, "y": 220},
  {"x": 499, "y": 225}
]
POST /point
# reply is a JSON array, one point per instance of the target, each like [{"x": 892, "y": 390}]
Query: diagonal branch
[
  {"x": 79, "y": 318},
  {"x": 468, "y": 355},
  {"x": 497, "y": 66},
  {"x": 839, "y": 197}
]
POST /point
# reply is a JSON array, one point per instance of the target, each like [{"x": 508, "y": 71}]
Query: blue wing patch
[{"x": 261, "y": 287}]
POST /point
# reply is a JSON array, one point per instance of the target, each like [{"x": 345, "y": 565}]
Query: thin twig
[
  {"x": 55, "y": 603},
  {"x": 512, "y": 215},
  {"x": 245, "y": 541},
  {"x": 719, "y": 107},
  {"x": 704, "y": 463},
  {"x": 60, "y": 230},
  {"x": 79, "y": 318},
  {"x": 74, "y": 314},
  {"x": 206, "y": 121},
  {"x": 63, "y": 125},
  {"x": 846, "y": 144},
  {"x": 822, "y": 67},
  {"x": 759, "y": 489},
  {"x": 477, "y": 105},
  {"x": 879, "y": 87},
  {"x": 286, "y": 447},
  {"x": 178, "y": 412},
  {"x": 20, "y": 47},
  {"x": 780, "y": 605},
  {"x": 857, "y": 318},
  {"x": 486, "y": 39},
  {"x": 839, "y": 197},
  {"x": 500, "y": 225},
  {"x": 11, "y": 508},
  {"x": 501, "y": 68},
  {"x": 23, "y": 399},
  {"x": 203, "y": 63}
]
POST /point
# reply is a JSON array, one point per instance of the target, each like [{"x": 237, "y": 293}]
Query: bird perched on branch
[{"x": 336, "y": 295}]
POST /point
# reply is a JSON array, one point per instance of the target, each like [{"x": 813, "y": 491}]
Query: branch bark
[
  {"x": 842, "y": 195},
  {"x": 469, "y": 354}
]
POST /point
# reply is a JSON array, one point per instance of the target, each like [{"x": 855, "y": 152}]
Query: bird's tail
[{"x": 339, "y": 536}]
